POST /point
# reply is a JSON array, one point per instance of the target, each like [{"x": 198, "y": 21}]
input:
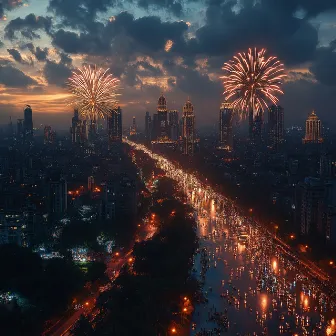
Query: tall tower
[
  {"x": 133, "y": 128},
  {"x": 28, "y": 122},
  {"x": 257, "y": 128},
  {"x": 148, "y": 126},
  {"x": 313, "y": 130},
  {"x": 275, "y": 125},
  {"x": 188, "y": 128},
  {"x": 225, "y": 126},
  {"x": 162, "y": 118},
  {"x": 58, "y": 196},
  {"x": 114, "y": 125},
  {"x": 173, "y": 120}
]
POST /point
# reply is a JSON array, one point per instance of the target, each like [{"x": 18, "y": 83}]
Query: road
[
  {"x": 254, "y": 284},
  {"x": 64, "y": 326}
]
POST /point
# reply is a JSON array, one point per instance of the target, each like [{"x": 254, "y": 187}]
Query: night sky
[{"x": 173, "y": 46}]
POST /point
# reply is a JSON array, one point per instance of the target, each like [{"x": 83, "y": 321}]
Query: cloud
[
  {"x": 79, "y": 13},
  {"x": 75, "y": 43},
  {"x": 58, "y": 73},
  {"x": 146, "y": 34},
  {"x": 14, "y": 78},
  {"x": 39, "y": 53},
  {"x": 172, "y": 6},
  {"x": 227, "y": 31},
  {"x": 324, "y": 65},
  {"x": 8, "y": 5},
  {"x": 311, "y": 8},
  {"x": 17, "y": 56},
  {"x": 28, "y": 27}
]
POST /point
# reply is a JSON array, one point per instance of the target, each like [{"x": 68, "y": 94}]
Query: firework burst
[
  {"x": 252, "y": 80},
  {"x": 94, "y": 92}
]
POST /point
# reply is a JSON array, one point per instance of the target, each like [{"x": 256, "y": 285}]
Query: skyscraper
[
  {"x": 133, "y": 128},
  {"x": 20, "y": 130},
  {"x": 257, "y": 128},
  {"x": 312, "y": 201},
  {"x": 155, "y": 126},
  {"x": 162, "y": 118},
  {"x": 148, "y": 126},
  {"x": 188, "y": 128},
  {"x": 313, "y": 130},
  {"x": 28, "y": 122},
  {"x": 78, "y": 129},
  {"x": 114, "y": 125},
  {"x": 58, "y": 196},
  {"x": 173, "y": 121},
  {"x": 225, "y": 126},
  {"x": 275, "y": 125}
]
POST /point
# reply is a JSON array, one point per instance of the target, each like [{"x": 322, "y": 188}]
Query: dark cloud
[
  {"x": 14, "y": 78},
  {"x": 8, "y": 5},
  {"x": 39, "y": 53},
  {"x": 146, "y": 34},
  {"x": 1, "y": 44},
  {"x": 172, "y": 6},
  {"x": 311, "y": 7},
  {"x": 292, "y": 39},
  {"x": 324, "y": 65},
  {"x": 16, "y": 56},
  {"x": 79, "y": 13},
  {"x": 58, "y": 73},
  {"x": 75, "y": 43},
  {"x": 28, "y": 27}
]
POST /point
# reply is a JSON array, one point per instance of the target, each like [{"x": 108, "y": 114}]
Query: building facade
[
  {"x": 188, "y": 136},
  {"x": 225, "y": 126},
  {"x": 114, "y": 125},
  {"x": 148, "y": 127},
  {"x": 162, "y": 119},
  {"x": 275, "y": 126},
  {"x": 173, "y": 121},
  {"x": 313, "y": 130},
  {"x": 28, "y": 122}
]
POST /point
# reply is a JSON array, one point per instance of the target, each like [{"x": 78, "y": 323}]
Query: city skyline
[{"x": 178, "y": 60}]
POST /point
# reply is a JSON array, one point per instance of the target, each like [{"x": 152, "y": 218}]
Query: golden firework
[
  {"x": 94, "y": 92},
  {"x": 252, "y": 80}
]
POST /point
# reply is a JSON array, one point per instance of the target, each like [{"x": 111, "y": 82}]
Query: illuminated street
[{"x": 253, "y": 284}]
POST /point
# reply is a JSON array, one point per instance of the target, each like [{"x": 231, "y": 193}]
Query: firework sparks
[
  {"x": 94, "y": 91},
  {"x": 252, "y": 80}
]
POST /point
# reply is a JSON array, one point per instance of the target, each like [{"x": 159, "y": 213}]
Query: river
[{"x": 252, "y": 281}]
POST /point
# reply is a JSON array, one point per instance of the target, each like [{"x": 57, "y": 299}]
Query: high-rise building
[
  {"x": 225, "y": 126},
  {"x": 114, "y": 125},
  {"x": 148, "y": 127},
  {"x": 257, "y": 130},
  {"x": 162, "y": 118},
  {"x": 58, "y": 196},
  {"x": 133, "y": 128},
  {"x": 312, "y": 205},
  {"x": 155, "y": 126},
  {"x": 275, "y": 125},
  {"x": 48, "y": 135},
  {"x": 78, "y": 130},
  {"x": 188, "y": 128},
  {"x": 173, "y": 121},
  {"x": 28, "y": 122},
  {"x": 313, "y": 130},
  {"x": 20, "y": 130}
]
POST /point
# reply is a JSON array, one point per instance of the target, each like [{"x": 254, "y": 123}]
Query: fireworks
[
  {"x": 252, "y": 80},
  {"x": 95, "y": 92}
]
